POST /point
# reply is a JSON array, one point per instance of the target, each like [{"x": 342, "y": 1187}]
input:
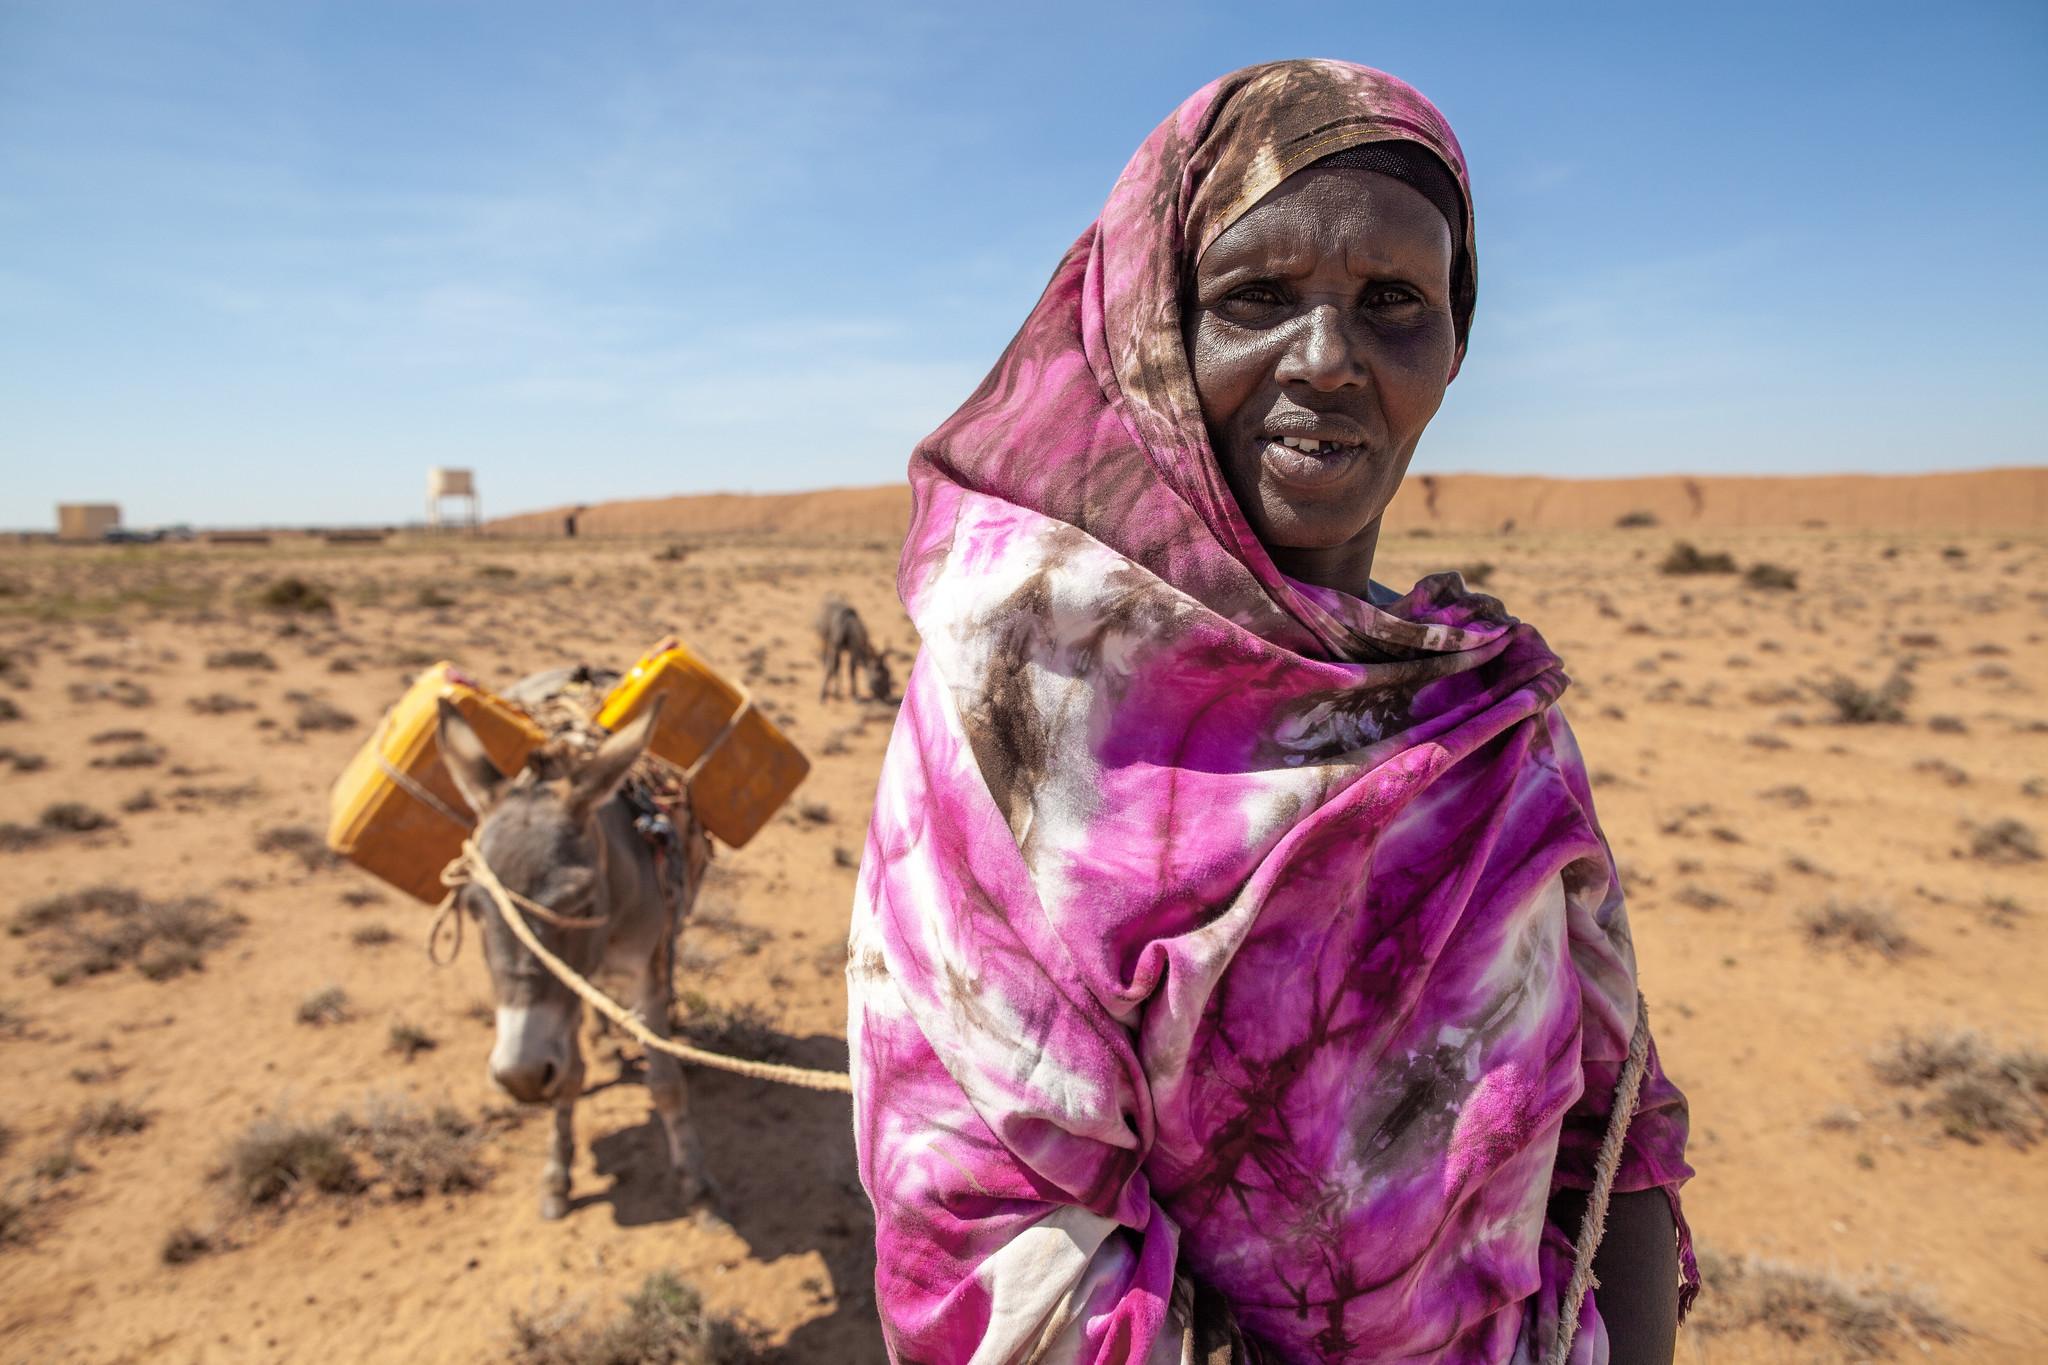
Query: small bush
[
  {"x": 2005, "y": 841},
  {"x": 496, "y": 573},
  {"x": 320, "y": 715},
  {"x": 275, "y": 1159},
  {"x": 1858, "y": 705},
  {"x": 100, "y": 929},
  {"x": 410, "y": 1040},
  {"x": 1636, "y": 520},
  {"x": 73, "y": 817},
  {"x": 299, "y": 842},
  {"x": 254, "y": 659},
  {"x": 14, "y": 1222},
  {"x": 371, "y": 936},
  {"x": 109, "y": 1118},
  {"x": 1980, "y": 1092},
  {"x": 665, "y": 1323},
  {"x": 134, "y": 756},
  {"x": 57, "y": 1164},
  {"x": 1685, "y": 559},
  {"x": 295, "y": 594},
  {"x": 1799, "y": 1305},
  {"x": 419, "y": 1154},
  {"x": 219, "y": 704},
  {"x": 432, "y": 597},
  {"x": 323, "y": 1007},
  {"x": 1771, "y": 578},
  {"x": 1856, "y": 926},
  {"x": 185, "y": 1243}
]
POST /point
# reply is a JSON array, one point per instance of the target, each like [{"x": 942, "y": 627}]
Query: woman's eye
[
  {"x": 1253, "y": 296},
  {"x": 1390, "y": 296}
]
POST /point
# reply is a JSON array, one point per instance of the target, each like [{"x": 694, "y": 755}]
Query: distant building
[
  {"x": 452, "y": 483},
  {"x": 86, "y": 520}
]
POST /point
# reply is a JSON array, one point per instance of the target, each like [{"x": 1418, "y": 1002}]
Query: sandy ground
[{"x": 1737, "y": 807}]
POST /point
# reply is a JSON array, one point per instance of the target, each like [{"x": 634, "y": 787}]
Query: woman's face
[{"x": 1321, "y": 339}]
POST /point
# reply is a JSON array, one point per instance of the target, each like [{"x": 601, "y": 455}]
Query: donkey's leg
[
  {"x": 554, "y": 1178},
  {"x": 672, "y": 1094}
]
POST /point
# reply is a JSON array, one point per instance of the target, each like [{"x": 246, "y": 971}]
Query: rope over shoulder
[
  {"x": 1627, "y": 1091},
  {"x": 469, "y": 868}
]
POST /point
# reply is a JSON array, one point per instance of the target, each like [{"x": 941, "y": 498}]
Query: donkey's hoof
[{"x": 554, "y": 1206}]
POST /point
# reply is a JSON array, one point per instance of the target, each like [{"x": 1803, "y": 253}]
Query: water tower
[{"x": 452, "y": 483}]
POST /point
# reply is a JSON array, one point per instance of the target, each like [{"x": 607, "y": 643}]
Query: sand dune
[{"x": 1976, "y": 500}]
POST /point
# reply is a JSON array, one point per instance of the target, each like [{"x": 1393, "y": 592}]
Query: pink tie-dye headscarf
[{"x": 1222, "y": 942}]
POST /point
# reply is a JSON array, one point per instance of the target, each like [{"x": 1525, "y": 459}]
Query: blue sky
[{"x": 266, "y": 262}]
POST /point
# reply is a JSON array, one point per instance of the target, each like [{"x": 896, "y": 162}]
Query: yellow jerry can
[
  {"x": 739, "y": 765},
  {"x": 394, "y": 810}
]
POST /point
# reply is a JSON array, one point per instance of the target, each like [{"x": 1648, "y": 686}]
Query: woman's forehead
[{"x": 1369, "y": 220}]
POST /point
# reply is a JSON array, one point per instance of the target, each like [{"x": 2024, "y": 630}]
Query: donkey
[
  {"x": 558, "y": 835},
  {"x": 843, "y": 635}
]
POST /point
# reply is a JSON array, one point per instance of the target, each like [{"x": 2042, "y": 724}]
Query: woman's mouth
[{"x": 1306, "y": 462}]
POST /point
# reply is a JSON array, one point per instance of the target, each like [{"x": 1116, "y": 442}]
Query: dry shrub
[
  {"x": 1981, "y": 1091},
  {"x": 419, "y": 1154},
  {"x": 15, "y": 1229},
  {"x": 102, "y": 928},
  {"x": 1636, "y": 520},
  {"x": 1837, "y": 924},
  {"x": 371, "y": 936},
  {"x": 410, "y": 1040},
  {"x": 276, "y": 1159},
  {"x": 186, "y": 1243},
  {"x": 22, "y": 761},
  {"x": 134, "y": 756},
  {"x": 1868, "y": 1320},
  {"x": 323, "y": 1007},
  {"x": 219, "y": 704},
  {"x": 665, "y": 1323},
  {"x": 15, "y": 838},
  {"x": 1767, "y": 577},
  {"x": 299, "y": 842},
  {"x": 2004, "y": 841},
  {"x": 1685, "y": 559},
  {"x": 108, "y": 1119},
  {"x": 298, "y": 595},
  {"x": 242, "y": 658},
  {"x": 320, "y": 715},
  {"x": 120, "y": 691},
  {"x": 1476, "y": 575},
  {"x": 1858, "y": 705},
  {"x": 74, "y": 817},
  {"x": 432, "y": 597}
]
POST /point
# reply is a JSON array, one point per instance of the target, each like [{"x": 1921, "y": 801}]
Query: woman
[{"x": 1238, "y": 971}]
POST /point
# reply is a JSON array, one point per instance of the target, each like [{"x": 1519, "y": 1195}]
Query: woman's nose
[{"x": 1321, "y": 352}]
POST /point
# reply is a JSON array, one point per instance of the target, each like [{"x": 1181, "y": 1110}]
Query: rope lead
[{"x": 469, "y": 868}]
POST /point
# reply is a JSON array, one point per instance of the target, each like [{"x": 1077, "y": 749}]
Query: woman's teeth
[{"x": 1311, "y": 447}]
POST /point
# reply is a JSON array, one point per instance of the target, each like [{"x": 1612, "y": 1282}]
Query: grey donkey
[
  {"x": 557, "y": 834},
  {"x": 843, "y": 635}
]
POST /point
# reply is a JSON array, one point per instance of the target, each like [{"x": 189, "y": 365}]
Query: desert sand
[{"x": 1806, "y": 894}]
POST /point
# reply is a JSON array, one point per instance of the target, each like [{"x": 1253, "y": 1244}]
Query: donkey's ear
[
  {"x": 597, "y": 780},
  {"x": 476, "y": 777}
]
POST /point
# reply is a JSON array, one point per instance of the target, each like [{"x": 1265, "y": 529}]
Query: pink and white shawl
[{"x": 1219, "y": 938}]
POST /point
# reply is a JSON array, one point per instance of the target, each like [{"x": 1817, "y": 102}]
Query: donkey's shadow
[{"x": 783, "y": 1161}]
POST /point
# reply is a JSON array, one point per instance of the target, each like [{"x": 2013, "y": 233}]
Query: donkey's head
[{"x": 538, "y": 831}]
